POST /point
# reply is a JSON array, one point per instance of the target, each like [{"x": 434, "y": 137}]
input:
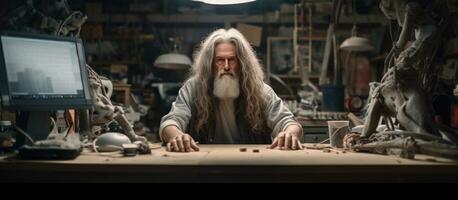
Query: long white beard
[{"x": 226, "y": 87}]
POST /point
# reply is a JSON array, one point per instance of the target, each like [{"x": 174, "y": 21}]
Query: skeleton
[
  {"x": 62, "y": 21},
  {"x": 403, "y": 92},
  {"x": 104, "y": 112}
]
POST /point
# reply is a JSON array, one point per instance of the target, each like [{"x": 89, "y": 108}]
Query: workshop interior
[{"x": 92, "y": 79}]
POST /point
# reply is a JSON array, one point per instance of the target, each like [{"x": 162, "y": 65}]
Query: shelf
[
  {"x": 218, "y": 18},
  {"x": 123, "y": 62},
  {"x": 285, "y": 76},
  {"x": 128, "y": 37}
]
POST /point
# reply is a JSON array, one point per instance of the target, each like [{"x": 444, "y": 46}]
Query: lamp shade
[
  {"x": 173, "y": 61},
  {"x": 224, "y": 2},
  {"x": 356, "y": 43}
]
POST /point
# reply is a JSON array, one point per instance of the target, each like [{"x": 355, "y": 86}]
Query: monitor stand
[{"x": 34, "y": 123}]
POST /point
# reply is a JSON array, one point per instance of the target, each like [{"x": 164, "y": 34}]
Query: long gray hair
[{"x": 251, "y": 78}]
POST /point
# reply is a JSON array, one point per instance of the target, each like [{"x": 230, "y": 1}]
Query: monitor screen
[{"x": 41, "y": 72}]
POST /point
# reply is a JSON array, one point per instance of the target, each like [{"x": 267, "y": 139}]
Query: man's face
[
  {"x": 225, "y": 61},
  {"x": 225, "y": 64}
]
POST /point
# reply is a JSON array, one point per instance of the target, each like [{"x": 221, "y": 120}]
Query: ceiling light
[
  {"x": 224, "y": 2},
  {"x": 356, "y": 43},
  {"x": 173, "y": 61}
]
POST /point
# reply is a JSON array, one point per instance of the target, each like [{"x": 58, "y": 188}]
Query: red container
[{"x": 454, "y": 118}]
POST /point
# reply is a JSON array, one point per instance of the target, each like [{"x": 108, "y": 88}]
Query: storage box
[{"x": 252, "y": 33}]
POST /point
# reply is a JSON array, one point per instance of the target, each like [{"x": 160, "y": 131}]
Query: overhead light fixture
[
  {"x": 356, "y": 43},
  {"x": 224, "y": 2},
  {"x": 173, "y": 60}
]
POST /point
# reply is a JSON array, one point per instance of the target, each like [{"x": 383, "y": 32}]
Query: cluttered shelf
[
  {"x": 226, "y": 163},
  {"x": 114, "y": 62},
  {"x": 270, "y": 18},
  {"x": 285, "y": 76},
  {"x": 112, "y": 45}
]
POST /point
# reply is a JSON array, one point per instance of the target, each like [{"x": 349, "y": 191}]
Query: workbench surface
[{"x": 226, "y": 163}]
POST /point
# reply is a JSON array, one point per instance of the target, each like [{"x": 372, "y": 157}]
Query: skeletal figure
[{"x": 405, "y": 90}]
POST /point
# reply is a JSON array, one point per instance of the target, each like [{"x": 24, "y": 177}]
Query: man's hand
[
  {"x": 178, "y": 141},
  {"x": 288, "y": 139},
  {"x": 182, "y": 143}
]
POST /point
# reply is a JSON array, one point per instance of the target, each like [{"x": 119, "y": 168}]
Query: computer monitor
[{"x": 40, "y": 74}]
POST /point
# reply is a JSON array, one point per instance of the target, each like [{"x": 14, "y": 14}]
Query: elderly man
[{"x": 225, "y": 101}]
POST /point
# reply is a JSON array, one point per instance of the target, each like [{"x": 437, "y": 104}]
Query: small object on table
[
  {"x": 255, "y": 150},
  {"x": 129, "y": 149},
  {"x": 242, "y": 149}
]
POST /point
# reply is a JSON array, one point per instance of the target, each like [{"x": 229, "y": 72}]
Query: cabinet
[{"x": 121, "y": 93}]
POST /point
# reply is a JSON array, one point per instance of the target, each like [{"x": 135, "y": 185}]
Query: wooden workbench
[{"x": 225, "y": 163}]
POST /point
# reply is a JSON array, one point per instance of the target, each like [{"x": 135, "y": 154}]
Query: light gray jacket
[{"x": 183, "y": 115}]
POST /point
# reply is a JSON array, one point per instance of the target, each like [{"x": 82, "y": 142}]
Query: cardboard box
[{"x": 252, "y": 33}]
